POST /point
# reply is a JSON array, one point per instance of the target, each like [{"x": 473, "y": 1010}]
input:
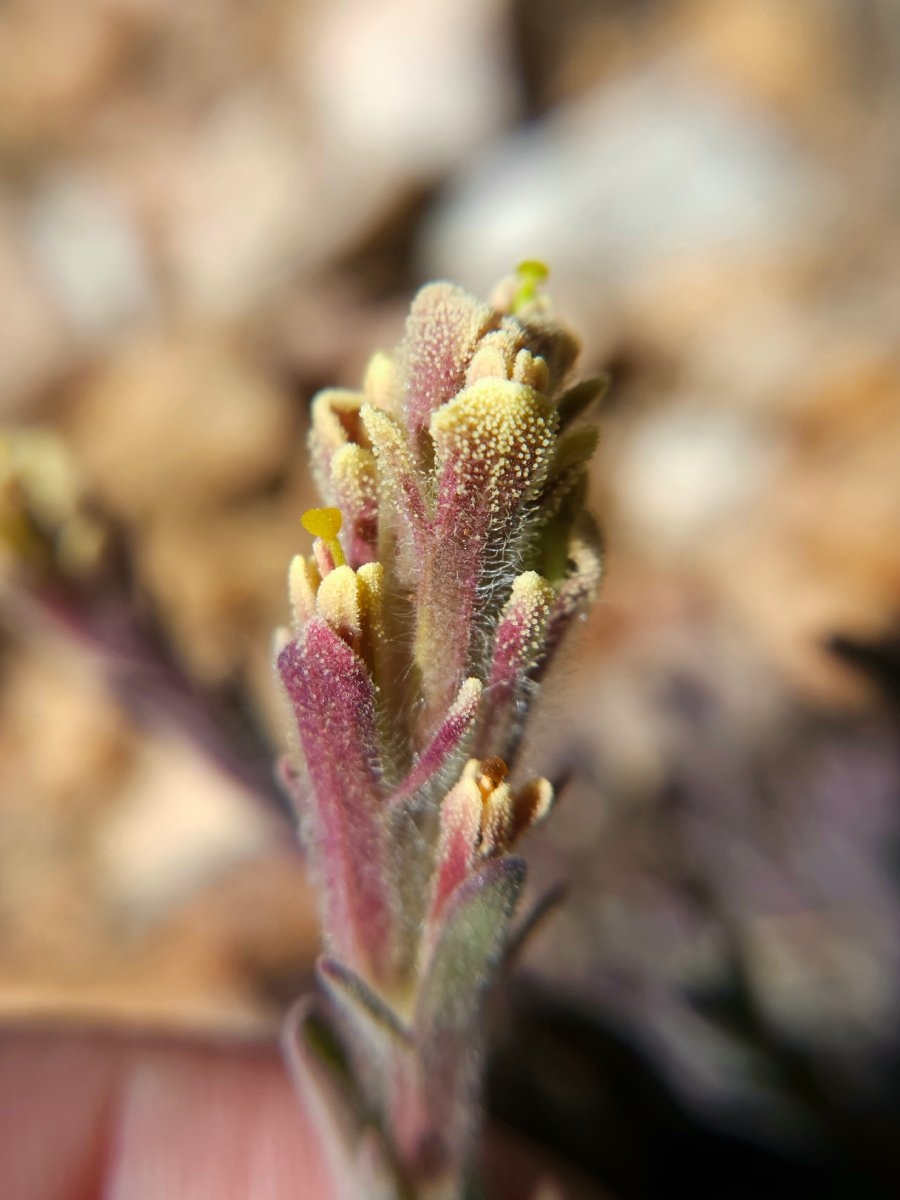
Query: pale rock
[
  {"x": 638, "y": 174},
  {"x": 89, "y": 252},
  {"x": 177, "y": 822}
]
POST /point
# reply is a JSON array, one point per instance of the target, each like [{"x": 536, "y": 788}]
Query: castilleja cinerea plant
[{"x": 453, "y": 554}]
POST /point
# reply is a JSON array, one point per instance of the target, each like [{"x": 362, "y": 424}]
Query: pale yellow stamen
[
  {"x": 337, "y": 600},
  {"x": 303, "y": 582},
  {"x": 380, "y": 384}
]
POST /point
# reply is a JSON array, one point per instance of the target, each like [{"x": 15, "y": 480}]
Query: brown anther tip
[{"x": 492, "y": 772}]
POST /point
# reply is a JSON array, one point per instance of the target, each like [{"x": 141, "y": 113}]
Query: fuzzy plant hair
[{"x": 453, "y": 553}]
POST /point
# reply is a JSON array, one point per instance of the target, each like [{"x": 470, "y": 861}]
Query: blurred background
[{"x": 210, "y": 210}]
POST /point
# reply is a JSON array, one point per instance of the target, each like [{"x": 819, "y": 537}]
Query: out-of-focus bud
[{"x": 45, "y": 525}]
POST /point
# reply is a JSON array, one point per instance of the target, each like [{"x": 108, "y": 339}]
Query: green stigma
[{"x": 530, "y": 273}]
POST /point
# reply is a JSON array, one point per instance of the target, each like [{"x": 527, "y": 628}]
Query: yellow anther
[
  {"x": 325, "y": 523},
  {"x": 322, "y": 522},
  {"x": 530, "y": 274}
]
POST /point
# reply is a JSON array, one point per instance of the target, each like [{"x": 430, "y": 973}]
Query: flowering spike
[{"x": 468, "y": 555}]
